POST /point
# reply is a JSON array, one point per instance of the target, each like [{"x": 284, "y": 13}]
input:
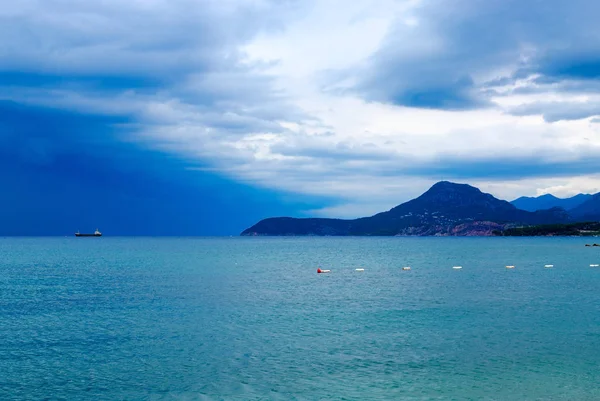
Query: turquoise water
[{"x": 249, "y": 319}]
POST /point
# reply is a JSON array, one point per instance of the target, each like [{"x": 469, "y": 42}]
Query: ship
[{"x": 95, "y": 234}]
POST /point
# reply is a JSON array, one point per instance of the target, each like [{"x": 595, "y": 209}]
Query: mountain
[
  {"x": 445, "y": 209},
  {"x": 588, "y": 210},
  {"x": 548, "y": 201}
]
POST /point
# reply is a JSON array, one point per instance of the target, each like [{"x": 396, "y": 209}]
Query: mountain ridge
[
  {"x": 588, "y": 210},
  {"x": 549, "y": 201},
  {"x": 446, "y": 209}
]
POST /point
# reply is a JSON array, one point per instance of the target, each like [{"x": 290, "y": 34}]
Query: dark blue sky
[{"x": 64, "y": 172}]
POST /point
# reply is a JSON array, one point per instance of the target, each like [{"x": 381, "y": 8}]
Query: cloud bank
[{"x": 367, "y": 102}]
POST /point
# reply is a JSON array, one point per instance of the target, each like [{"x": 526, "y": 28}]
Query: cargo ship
[{"x": 95, "y": 234}]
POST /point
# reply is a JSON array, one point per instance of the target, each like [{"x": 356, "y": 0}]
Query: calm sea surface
[{"x": 249, "y": 319}]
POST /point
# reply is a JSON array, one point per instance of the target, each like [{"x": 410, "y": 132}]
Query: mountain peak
[
  {"x": 455, "y": 200},
  {"x": 444, "y": 191},
  {"x": 445, "y": 185},
  {"x": 547, "y": 196}
]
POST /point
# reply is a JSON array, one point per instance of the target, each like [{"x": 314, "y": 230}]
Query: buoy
[
  {"x": 406, "y": 268},
  {"x": 594, "y": 265},
  {"x": 510, "y": 267},
  {"x": 548, "y": 266},
  {"x": 360, "y": 270},
  {"x": 323, "y": 271},
  {"x": 457, "y": 267}
]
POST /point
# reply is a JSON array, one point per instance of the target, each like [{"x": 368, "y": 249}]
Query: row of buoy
[
  {"x": 550, "y": 266},
  {"x": 319, "y": 270}
]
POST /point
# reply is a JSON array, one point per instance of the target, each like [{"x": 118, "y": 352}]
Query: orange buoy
[{"x": 319, "y": 270}]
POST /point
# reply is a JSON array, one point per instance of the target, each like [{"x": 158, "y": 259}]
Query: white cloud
[
  {"x": 562, "y": 187},
  {"x": 334, "y": 34}
]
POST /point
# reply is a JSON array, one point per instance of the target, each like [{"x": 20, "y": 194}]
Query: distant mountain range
[
  {"x": 446, "y": 209},
  {"x": 588, "y": 210},
  {"x": 549, "y": 201}
]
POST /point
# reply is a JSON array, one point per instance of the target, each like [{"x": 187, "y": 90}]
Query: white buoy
[
  {"x": 510, "y": 267},
  {"x": 548, "y": 266},
  {"x": 360, "y": 270},
  {"x": 594, "y": 265},
  {"x": 457, "y": 267},
  {"x": 406, "y": 268}
]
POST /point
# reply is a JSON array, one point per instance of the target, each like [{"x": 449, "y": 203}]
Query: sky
[{"x": 201, "y": 117}]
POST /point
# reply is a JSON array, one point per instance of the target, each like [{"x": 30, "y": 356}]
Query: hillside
[
  {"x": 571, "y": 230},
  {"x": 587, "y": 211}
]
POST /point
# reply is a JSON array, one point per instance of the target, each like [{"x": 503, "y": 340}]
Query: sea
[{"x": 250, "y": 319}]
